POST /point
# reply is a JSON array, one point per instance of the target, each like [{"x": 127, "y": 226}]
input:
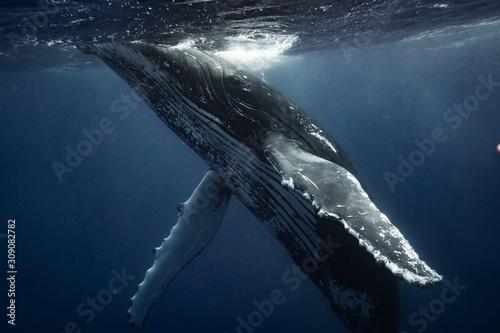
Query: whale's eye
[{"x": 234, "y": 81}]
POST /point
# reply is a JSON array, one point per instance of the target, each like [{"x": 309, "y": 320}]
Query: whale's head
[
  {"x": 189, "y": 80},
  {"x": 203, "y": 78},
  {"x": 182, "y": 83}
]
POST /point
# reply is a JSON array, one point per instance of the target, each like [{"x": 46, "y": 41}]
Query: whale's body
[{"x": 285, "y": 167}]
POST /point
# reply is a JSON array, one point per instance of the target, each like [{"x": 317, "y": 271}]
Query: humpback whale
[{"x": 285, "y": 167}]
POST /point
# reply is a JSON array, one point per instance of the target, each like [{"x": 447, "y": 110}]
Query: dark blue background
[{"x": 120, "y": 202}]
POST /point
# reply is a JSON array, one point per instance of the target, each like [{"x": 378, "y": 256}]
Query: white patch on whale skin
[
  {"x": 324, "y": 141},
  {"x": 357, "y": 302}
]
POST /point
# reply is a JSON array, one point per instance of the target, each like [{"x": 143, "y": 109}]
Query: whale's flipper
[
  {"x": 198, "y": 220},
  {"x": 338, "y": 196}
]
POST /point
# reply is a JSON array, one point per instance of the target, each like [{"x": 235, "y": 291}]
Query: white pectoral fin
[
  {"x": 198, "y": 221},
  {"x": 337, "y": 195}
]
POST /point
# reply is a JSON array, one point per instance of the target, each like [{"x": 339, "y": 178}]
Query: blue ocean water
[{"x": 82, "y": 244}]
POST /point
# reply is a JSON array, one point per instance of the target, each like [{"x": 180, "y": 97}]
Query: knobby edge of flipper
[
  {"x": 337, "y": 195},
  {"x": 197, "y": 223}
]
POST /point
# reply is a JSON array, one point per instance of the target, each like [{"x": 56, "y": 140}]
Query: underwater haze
[{"x": 414, "y": 101}]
